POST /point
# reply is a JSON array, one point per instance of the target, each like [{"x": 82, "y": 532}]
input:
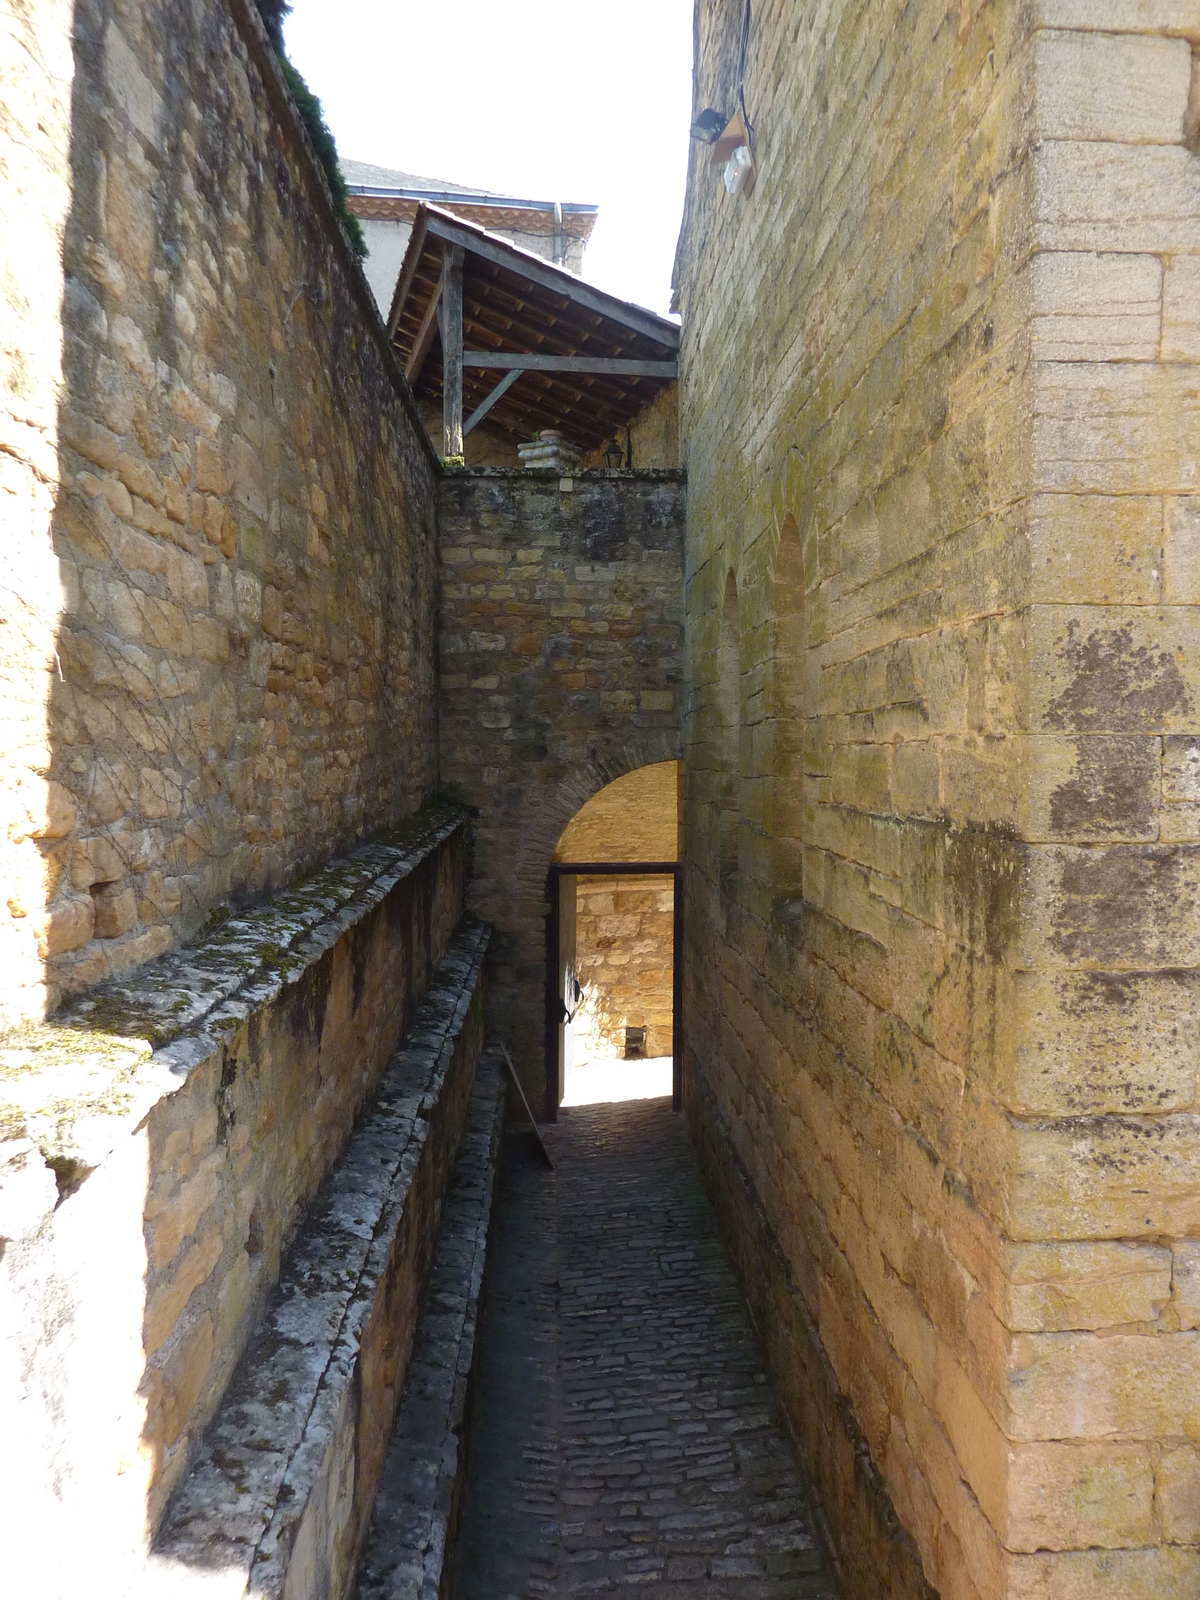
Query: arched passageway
[{"x": 614, "y": 900}]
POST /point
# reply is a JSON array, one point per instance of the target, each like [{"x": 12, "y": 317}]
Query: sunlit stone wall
[
  {"x": 940, "y": 405},
  {"x": 219, "y": 511}
]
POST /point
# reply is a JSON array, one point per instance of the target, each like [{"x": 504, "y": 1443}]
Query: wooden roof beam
[
  {"x": 496, "y": 395},
  {"x": 599, "y": 366},
  {"x": 423, "y": 343},
  {"x": 551, "y": 278},
  {"x": 412, "y": 260}
]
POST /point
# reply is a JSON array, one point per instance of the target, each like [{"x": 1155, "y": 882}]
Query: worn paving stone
[{"x": 624, "y": 1433}]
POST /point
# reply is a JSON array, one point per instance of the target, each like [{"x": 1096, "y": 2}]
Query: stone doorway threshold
[{"x": 606, "y": 1081}]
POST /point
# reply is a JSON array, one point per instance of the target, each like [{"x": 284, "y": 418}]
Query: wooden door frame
[{"x": 611, "y": 869}]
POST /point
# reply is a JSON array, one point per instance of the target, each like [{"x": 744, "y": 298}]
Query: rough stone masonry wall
[
  {"x": 218, "y": 507},
  {"x": 624, "y": 939},
  {"x": 561, "y": 652},
  {"x": 939, "y": 407}
]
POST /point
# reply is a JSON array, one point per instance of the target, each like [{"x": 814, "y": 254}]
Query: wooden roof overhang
[{"x": 539, "y": 348}]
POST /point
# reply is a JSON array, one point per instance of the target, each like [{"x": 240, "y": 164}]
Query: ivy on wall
[{"x": 273, "y": 13}]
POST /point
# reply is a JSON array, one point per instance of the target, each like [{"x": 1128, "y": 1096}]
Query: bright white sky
[{"x": 546, "y": 99}]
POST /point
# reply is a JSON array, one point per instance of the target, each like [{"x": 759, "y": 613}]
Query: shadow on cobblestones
[{"x": 624, "y": 1432}]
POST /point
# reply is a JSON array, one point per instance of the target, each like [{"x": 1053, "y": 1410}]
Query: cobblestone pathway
[{"x": 624, "y": 1432}]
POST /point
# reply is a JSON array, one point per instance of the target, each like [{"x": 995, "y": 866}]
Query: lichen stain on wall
[{"x": 939, "y": 1083}]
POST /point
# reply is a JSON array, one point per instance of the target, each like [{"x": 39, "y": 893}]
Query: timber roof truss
[{"x": 491, "y": 330}]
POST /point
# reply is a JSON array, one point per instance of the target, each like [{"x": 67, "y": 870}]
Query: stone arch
[
  {"x": 574, "y": 790},
  {"x": 633, "y": 818},
  {"x": 787, "y": 712},
  {"x": 514, "y": 896},
  {"x": 611, "y": 935}
]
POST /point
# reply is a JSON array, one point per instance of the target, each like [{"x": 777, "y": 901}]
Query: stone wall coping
[
  {"x": 414, "y": 1518},
  {"x": 267, "y": 1448},
  {"x": 254, "y": 35},
  {"x": 584, "y": 475},
  {"x": 72, "y": 1085}
]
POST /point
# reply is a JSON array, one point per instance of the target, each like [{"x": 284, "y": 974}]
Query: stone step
[
  {"x": 418, "y": 1498},
  {"x": 280, "y": 1495}
]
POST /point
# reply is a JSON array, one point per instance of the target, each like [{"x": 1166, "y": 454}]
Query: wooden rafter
[
  {"x": 585, "y": 369},
  {"x": 424, "y": 339}
]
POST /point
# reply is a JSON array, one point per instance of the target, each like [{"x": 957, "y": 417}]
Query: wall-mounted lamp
[
  {"x": 731, "y": 139},
  {"x": 613, "y": 455},
  {"x": 708, "y": 126}
]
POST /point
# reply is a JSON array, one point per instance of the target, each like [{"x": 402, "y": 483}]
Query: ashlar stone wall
[
  {"x": 218, "y": 501},
  {"x": 938, "y": 405}
]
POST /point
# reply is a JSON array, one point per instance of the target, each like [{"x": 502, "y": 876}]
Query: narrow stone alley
[{"x": 624, "y": 1433}]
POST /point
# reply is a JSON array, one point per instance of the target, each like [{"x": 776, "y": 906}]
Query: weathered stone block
[
  {"x": 1062, "y": 1495},
  {"x": 1090, "y": 307},
  {"x": 1114, "y": 670},
  {"x": 1097, "y": 787},
  {"x": 1185, "y": 1282},
  {"x": 1082, "y": 1386},
  {"x": 1101, "y": 196},
  {"x": 1086, "y": 1043},
  {"x": 1122, "y": 16},
  {"x": 1105, "y": 86},
  {"x": 1098, "y": 549},
  {"x": 1056, "y": 1287},
  {"x": 1177, "y": 1487},
  {"x": 1181, "y": 552},
  {"x": 116, "y": 911},
  {"x": 1180, "y": 317}
]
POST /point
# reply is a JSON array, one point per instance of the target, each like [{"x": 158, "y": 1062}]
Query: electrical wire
[{"x": 742, "y": 69}]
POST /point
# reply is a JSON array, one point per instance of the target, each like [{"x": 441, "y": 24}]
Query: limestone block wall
[
  {"x": 943, "y": 677},
  {"x": 624, "y": 942},
  {"x": 159, "y": 1143},
  {"x": 652, "y": 436},
  {"x": 561, "y": 661},
  {"x": 218, "y": 558}
]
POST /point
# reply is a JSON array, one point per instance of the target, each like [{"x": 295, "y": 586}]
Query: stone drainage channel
[{"x": 623, "y": 1432}]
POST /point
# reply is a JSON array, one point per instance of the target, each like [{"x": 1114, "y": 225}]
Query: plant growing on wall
[{"x": 273, "y": 13}]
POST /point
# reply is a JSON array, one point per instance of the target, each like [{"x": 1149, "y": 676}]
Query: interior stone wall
[
  {"x": 219, "y": 560},
  {"x": 624, "y": 943},
  {"x": 938, "y": 398},
  {"x": 653, "y": 435},
  {"x": 561, "y": 662}
]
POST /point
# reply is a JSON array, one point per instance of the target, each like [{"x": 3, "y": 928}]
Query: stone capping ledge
[
  {"x": 276, "y": 1443},
  {"x": 420, "y": 1488},
  {"x": 71, "y": 1086},
  {"x": 582, "y": 475}
]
